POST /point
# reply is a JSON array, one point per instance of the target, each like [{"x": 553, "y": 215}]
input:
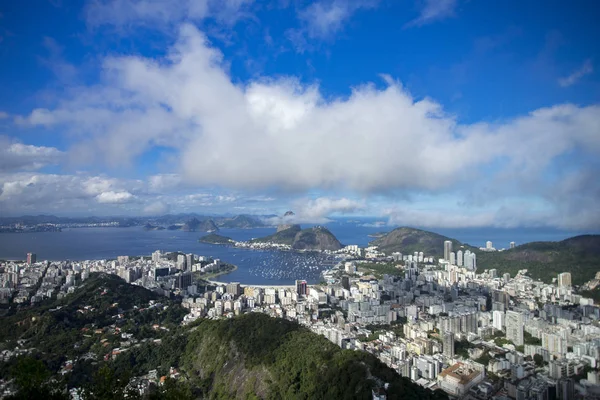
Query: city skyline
[{"x": 439, "y": 115}]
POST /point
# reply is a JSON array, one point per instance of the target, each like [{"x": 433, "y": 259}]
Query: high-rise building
[
  {"x": 512, "y": 245},
  {"x": 459, "y": 258},
  {"x": 514, "y": 327},
  {"x": 498, "y": 320},
  {"x": 31, "y": 258},
  {"x": 183, "y": 280},
  {"x": 156, "y": 256},
  {"x": 566, "y": 389},
  {"x": 448, "y": 344},
  {"x": 189, "y": 261},
  {"x": 564, "y": 279},
  {"x": 301, "y": 287},
  {"x": 489, "y": 245},
  {"x": 447, "y": 249},
  {"x": 493, "y": 273},
  {"x": 181, "y": 262},
  {"x": 234, "y": 288},
  {"x": 345, "y": 283},
  {"x": 452, "y": 258}
]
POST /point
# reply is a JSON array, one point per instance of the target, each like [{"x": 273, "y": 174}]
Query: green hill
[
  {"x": 408, "y": 240},
  {"x": 255, "y": 356},
  {"x": 579, "y": 255},
  {"x": 316, "y": 238},
  {"x": 285, "y": 236},
  {"x": 213, "y": 238}
]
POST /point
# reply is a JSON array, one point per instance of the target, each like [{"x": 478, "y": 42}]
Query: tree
[
  {"x": 31, "y": 378},
  {"x": 539, "y": 360}
]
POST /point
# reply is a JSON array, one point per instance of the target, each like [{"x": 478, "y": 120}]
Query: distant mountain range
[
  {"x": 579, "y": 255},
  {"x": 189, "y": 222}
]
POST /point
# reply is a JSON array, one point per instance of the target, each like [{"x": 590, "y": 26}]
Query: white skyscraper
[
  {"x": 564, "y": 279},
  {"x": 488, "y": 245},
  {"x": 452, "y": 258},
  {"x": 447, "y": 249},
  {"x": 459, "y": 258},
  {"x": 512, "y": 245},
  {"x": 498, "y": 319},
  {"x": 514, "y": 327}
]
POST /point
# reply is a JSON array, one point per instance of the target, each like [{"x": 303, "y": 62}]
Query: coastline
[{"x": 209, "y": 277}]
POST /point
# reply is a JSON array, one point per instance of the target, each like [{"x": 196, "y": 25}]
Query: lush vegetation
[
  {"x": 529, "y": 339},
  {"x": 279, "y": 359},
  {"x": 86, "y": 326},
  {"x": 461, "y": 347},
  {"x": 213, "y": 238},
  {"x": 380, "y": 269}
]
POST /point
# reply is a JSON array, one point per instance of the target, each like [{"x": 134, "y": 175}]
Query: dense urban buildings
[{"x": 474, "y": 334}]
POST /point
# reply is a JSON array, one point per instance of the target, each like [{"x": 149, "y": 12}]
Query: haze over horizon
[{"x": 445, "y": 114}]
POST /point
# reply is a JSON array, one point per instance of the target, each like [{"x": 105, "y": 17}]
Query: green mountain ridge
[{"x": 579, "y": 255}]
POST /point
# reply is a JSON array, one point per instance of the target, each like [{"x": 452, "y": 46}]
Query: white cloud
[
  {"x": 114, "y": 197},
  {"x": 432, "y": 11},
  {"x": 25, "y": 192},
  {"x": 164, "y": 183},
  {"x": 157, "y": 208},
  {"x": 4, "y": 115},
  {"x": 439, "y": 219},
  {"x": 576, "y": 75},
  {"x": 317, "y": 211},
  {"x": 278, "y": 133},
  {"x": 327, "y": 17},
  {"x": 17, "y": 156},
  {"x": 157, "y": 14}
]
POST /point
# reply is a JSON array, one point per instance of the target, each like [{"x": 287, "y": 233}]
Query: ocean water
[{"x": 254, "y": 267}]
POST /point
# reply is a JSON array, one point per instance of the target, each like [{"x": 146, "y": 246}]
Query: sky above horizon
[{"x": 447, "y": 113}]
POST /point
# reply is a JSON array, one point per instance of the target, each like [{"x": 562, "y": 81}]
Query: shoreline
[{"x": 210, "y": 276}]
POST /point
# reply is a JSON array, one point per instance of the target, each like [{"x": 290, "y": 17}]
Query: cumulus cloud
[
  {"x": 279, "y": 133},
  {"x": 32, "y": 191},
  {"x": 114, "y": 197},
  {"x": 576, "y": 75},
  {"x": 432, "y": 11},
  {"x": 161, "y": 13},
  {"x": 157, "y": 208},
  {"x": 17, "y": 156},
  {"x": 317, "y": 211},
  {"x": 24, "y": 192}
]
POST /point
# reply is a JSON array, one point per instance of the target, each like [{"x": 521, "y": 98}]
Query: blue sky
[{"x": 440, "y": 113}]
